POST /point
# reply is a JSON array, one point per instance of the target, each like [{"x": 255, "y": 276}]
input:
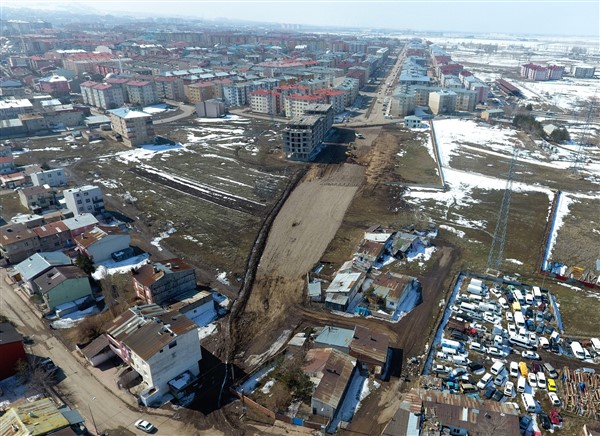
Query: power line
[{"x": 496, "y": 255}]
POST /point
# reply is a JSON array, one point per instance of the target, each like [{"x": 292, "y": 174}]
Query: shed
[
  {"x": 98, "y": 351},
  {"x": 335, "y": 337}
]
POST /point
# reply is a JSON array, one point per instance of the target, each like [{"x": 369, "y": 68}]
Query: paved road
[
  {"x": 79, "y": 387},
  {"x": 186, "y": 111}
]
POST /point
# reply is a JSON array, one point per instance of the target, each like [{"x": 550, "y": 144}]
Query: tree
[
  {"x": 117, "y": 290},
  {"x": 529, "y": 107},
  {"x": 85, "y": 263},
  {"x": 560, "y": 135}
]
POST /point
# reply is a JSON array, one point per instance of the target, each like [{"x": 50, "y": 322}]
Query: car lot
[{"x": 505, "y": 331}]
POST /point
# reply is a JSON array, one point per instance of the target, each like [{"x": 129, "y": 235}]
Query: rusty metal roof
[
  {"x": 369, "y": 346},
  {"x": 336, "y": 375}
]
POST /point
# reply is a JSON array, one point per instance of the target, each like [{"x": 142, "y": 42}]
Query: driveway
[
  {"x": 95, "y": 401},
  {"x": 186, "y": 111}
]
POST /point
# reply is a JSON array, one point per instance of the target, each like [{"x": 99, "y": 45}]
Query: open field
[{"x": 202, "y": 199}]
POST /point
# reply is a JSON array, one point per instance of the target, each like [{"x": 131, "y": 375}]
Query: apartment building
[
  {"x": 158, "y": 345},
  {"x": 169, "y": 88},
  {"x": 322, "y": 110},
  {"x": 465, "y": 99},
  {"x": 294, "y": 105},
  {"x": 265, "y": 101},
  {"x": 54, "y": 177},
  {"x": 141, "y": 92},
  {"x": 102, "y": 95},
  {"x": 536, "y": 72},
  {"x": 54, "y": 85},
  {"x": 334, "y": 97},
  {"x": 302, "y": 136},
  {"x": 7, "y": 161},
  {"x": 17, "y": 242},
  {"x": 135, "y": 127},
  {"x": 403, "y": 103},
  {"x": 583, "y": 71},
  {"x": 37, "y": 198},
  {"x": 442, "y": 102},
  {"x": 235, "y": 94},
  {"x": 12, "y": 108},
  {"x": 161, "y": 282},
  {"x": 214, "y": 108},
  {"x": 84, "y": 199},
  {"x": 200, "y": 91}
]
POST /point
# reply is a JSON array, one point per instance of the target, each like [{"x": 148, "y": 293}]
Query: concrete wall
[
  {"x": 102, "y": 249},
  {"x": 69, "y": 290}
]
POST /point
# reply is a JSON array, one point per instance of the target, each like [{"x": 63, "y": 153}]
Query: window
[
  {"x": 79, "y": 202},
  {"x": 87, "y": 200}
]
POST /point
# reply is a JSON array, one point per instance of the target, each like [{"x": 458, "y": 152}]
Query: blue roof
[
  {"x": 335, "y": 336},
  {"x": 598, "y": 265},
  {"x": 39, "y": 262}
]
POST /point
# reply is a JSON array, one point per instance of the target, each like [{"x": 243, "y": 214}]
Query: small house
[
  {"x": 371, "y": 349},
  {"x": 368, "y": 253},
  {"x": 378, "y": 233},
  {"x": 63, "y": 284},
  {"x": 162, "y": 281},
  {"x": 97, "y": 352},
  {"x": 342, "y": 290},
  {"x": 101, "y": 242},
  {"x": 37, "y": 264},
  {"x": 334, "y": 337},
  {"x": 405, "y": 243},
  {"x": 395, "y": 289}
]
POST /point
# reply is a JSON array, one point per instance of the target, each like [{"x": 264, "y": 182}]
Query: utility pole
[{"x": 580, "y": 153}]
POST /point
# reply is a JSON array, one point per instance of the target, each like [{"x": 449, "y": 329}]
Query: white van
[
  {"x": 543, "y": 342},
  {"x": 497, "y": 368},
  {"x": 521, "y": 384},
  {"x": 449, "y": 351},
  {"x": 577, "y": 350},
  {"x": 460, "y": 360},
  {"x": 519, "y": 319},
  {"x": 537, "y": 293},
  {"x": 529, "y": 403},
  {"x": 595, "y": 345}
]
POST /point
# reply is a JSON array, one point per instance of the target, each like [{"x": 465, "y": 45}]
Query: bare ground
[{"x": 300, "y": 234}]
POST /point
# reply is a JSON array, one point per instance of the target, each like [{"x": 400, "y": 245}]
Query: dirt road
[
  {"x": 92, "y": 399},
  {"x": 300, "y": 234}
]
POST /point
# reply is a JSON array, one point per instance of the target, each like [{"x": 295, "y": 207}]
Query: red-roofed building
[
  {"x": 266, "y": 101},
  {"x": 335, "y": 97},
  {"x": 140, "y": 92},
  {"x": 295, "y": 104}
]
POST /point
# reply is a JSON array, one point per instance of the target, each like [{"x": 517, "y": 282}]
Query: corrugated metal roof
[
  {"x": 335, "y": 336},
  {"x": 336, "y": 375},
  {"x": 37, "y": 418},
  {"x": 39, "y": 262},
  {"x": 369, "y": 346}
]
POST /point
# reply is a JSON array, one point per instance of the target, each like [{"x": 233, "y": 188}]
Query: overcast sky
[{"x": 578, "y": 17}]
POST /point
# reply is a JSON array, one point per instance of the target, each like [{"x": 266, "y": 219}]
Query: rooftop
[
  {"x": 334, "y": 336},
  {"x": 57, "y": 275},
  {"x": 336, "y": 375},
  {"x": 9, "y": 334},
  {"x": 150, "y": 273},
  {"x": 369, "y": 345},
  {"x": 37, "y": 418},
  {"x": 127, "y": 113}
]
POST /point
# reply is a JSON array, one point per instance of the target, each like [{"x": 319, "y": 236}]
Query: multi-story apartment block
[
  {"x": 465, "y": 99},
  {"x": 161, "y": 282},
  {"x": 170, "y": 88},
  {"x": 173, "y": 350},
  {"x": 54, "y": 177},
  {"x": 583, "y": 71},
  {"x": 235, "y": 94},
  {"x": 79, "y": 63},
  {"x": 84, "y": 199},
  {"x": 442, "y": 101},
  {"x": 322, "y": 110},
  {"x": 141, "y": 92},
  {"x": 135, "y": 127},
  {"x": 403, "y": 103},
  {"x": 334, "y": 97},
  {"x": 302, "y": 136},
  {"x": 37, "y": 198},
  {"x": 200, "y": 91},
  {"x": 350, "y": 87},
  {"x": 538, "y": 72},
  {"x": 54, "y": 85},
  {"x": 265, "y": 101},
  {"x": 53, "y": 236},
  {"x": 295, "y": 105},
  {"x": 102, "y": 95}
]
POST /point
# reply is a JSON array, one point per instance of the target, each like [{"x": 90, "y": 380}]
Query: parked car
[
  {"x": 555, "y": 348},
  {"x": 457, "y": 372},
  {"x": 476, "y": 368},
  {"x": 485, "y": 381},
  {"x": 554, "y": 398},
  {"x": 521, "y": 384},
  {"x": 548, "y": 330},
  {"x": 541, "y": 380},
  {"x": 550, "y": 370},
  {"x": 529, "y": 312},
  {"x": 532, "y": 379},
  {"x": 489, "y": 391},
  {"x": 500, "y": 379},
  {"x": 144, "y": 426},
  {"x": 546, "y": 424},
  {"x": 498, "y": 395},
  {"x": 540, "y": 328},
  {"x": 508, "y": 389},
  {"x": 476, "y": 346},
  {"x": 524, "y": 422},
  {"x": 509, "y": 316},
  {"x": 514, "y": 369},
  {"x": 548, "y": 316},
  {"x": 441, "y": 370},
  {"x": 551, "y": 385},
  {"x": 493, "y": 351},
  {"x": 536, "y": 367},
  {"x": 527, "y": 354},
  {"x": 555, "y": 417}
]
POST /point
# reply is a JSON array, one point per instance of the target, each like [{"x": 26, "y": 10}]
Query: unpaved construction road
[{"x": 306, "y": 224}]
